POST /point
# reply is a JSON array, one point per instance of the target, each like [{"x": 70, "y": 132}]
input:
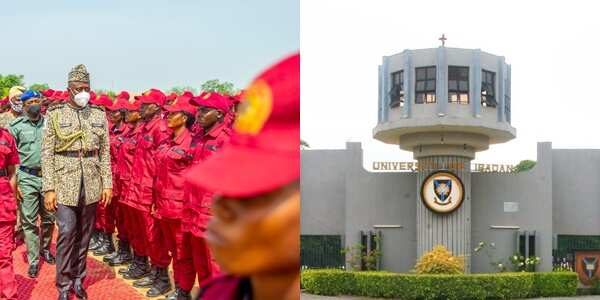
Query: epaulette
[
  {"x": 16, "y": 121},
  {"x": 56, "y": 106}
]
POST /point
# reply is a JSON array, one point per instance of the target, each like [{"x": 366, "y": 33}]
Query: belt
[
  {"x": 79, "y": 153},
  {"x": 31, "y": 171},
  {"x": 3, "y": 173}
]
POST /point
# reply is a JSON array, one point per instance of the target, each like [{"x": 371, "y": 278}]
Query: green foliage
[
  {"x": 109, "y": 93},
  {"x": 8, "y": 81},
  {"x": 524, "y": 165},
  {"x": 38, "y": 87},
  {"x": 356, "y": 258},
  {"x": 412, "y": 286},
  {"x": 489, "y": 249},
  {"x": 554, "y": 284},
  {"x": 180, "y": 89},
  {"x": 214, "y": 85},
  {"x": 522, "y": 264},
  {"x": 440, "y": 261}
]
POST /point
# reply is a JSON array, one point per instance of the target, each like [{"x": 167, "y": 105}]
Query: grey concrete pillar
[{"x": 452, "y": 230}]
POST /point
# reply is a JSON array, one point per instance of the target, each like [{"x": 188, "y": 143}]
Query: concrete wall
[
  {"x": 532, "y": 191},
  {"x": 576, "y": 175},
  {"x": 323, "y": 191},
  {"x": 558, "y": 196}
]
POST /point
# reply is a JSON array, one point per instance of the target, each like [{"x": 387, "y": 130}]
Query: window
[
  {"x": 425, "y": 85},
  {"x": 488, "y": 88},
  {"x": 458, "y": 85},
  {"x": 397, "y": 91}
]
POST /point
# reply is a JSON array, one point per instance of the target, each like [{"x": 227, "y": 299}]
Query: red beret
[
  {"x": 182, "y": 104},
  {"x": 123, "y": 95},
  {"x": 212, "y": 100},
  {"x": 48, "y": 93},
  {"x": 153, "y": 96}
]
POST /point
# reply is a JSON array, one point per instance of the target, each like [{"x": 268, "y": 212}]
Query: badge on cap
[{"x": 256, "y": 108}]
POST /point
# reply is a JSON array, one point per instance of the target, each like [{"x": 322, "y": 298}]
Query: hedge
[{"x": 411, "y": 286}]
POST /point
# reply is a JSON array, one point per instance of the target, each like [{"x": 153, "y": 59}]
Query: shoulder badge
[{"x": 56, "y": 106}]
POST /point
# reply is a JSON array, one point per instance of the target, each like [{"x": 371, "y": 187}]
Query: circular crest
[{"x": 442, "y": 192}]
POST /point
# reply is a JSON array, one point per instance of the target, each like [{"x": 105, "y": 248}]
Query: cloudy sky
[
  {"x": 552, "y": 47},
  {"x": 140, "y": 44}
]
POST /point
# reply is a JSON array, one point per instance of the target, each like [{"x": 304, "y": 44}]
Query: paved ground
[{"x": 305, "y": 296}]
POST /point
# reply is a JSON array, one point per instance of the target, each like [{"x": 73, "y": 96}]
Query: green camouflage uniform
[{"x": 28, "y": 137}]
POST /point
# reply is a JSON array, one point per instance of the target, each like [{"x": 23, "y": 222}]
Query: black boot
[
  {"x": 116, "y": 253},
  {"x": 147, "y": 281},
  {"x": 123, "y": 258},
  {"x": 161, "y": 285},
  {"x": 141, "y": 270},
  {"x": 97, "y": 242},
  {"x": 178, "y": 294},
  {"x": 107, "y": 245}
]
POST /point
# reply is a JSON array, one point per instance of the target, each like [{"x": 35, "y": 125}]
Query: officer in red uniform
[
  {"x": 213, "y": 110},
  {"x": 106, "y": 217},
  {"x": 175, "y": 157},
  {"x": 125, "y": 211},
  {"x": 148, "y": 241},
  {"x": 104, "y": 227},
  {"x": 254, "y": 230},
  {"x": 9, "y": 159}
]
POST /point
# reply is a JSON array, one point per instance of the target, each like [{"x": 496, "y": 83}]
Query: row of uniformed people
[{"x": 165, "y": 178}]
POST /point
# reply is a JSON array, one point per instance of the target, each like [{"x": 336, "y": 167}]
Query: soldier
[
  {"x": 125, "y": 209},
  {"x": 216, "y": 132},
  {"x": 9, "y": 159},
  {"x": 174, "y": 157},
  {"x": 256, "y": 216},
  {"x": 140, "y": 196},
  {"x": 16, "y": 107},
  {"x": 76, "y": 174},
  {"x": 27, "y": 131}
]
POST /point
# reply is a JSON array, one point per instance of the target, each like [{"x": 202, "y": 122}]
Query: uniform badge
[
  {"x": 590, "y": 265},
  {"x": 212, "y": 147},
  {"x": 255, "y": 109},
  {"x": 4, "y": 142},
  {"x": 98, "y": 125},
  {"x": 64, "y": 125},
  {"x": 148, "y": 138}
]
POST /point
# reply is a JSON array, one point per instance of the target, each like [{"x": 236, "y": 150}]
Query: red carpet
[{"x": 101, "y": 282}]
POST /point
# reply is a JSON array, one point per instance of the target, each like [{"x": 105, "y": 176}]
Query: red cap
[
  {"x": 123, "y": 95},
  {"x": 235, "y": 99},
  {"x": 212, "y": 100},
  {"x": 102, "y": 100},
  {"x": 48, "y": 93},
  {"x": 172, "y": 96},
  {"x": 4, "y": 100},
  {"x": 153, "y": 96},
  {"x": 64, "y": 96},
  {"x": 120, "y": 103},
  {"x": 264, "y": 153},
  {"x": 131, "y": 106},
  {"x": 182, "y": 104}
]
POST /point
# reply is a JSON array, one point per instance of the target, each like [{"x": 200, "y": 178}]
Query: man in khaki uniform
[{"x": 76, "y": 174}]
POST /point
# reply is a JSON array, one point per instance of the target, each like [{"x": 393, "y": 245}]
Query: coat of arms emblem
[{"x": 442, "y": 192}]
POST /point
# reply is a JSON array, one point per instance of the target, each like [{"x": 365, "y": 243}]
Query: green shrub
[
  {"x": 329, "y": 282},
  {"x": 430, "y": 287},
  {"x": 554, "y": 284}
]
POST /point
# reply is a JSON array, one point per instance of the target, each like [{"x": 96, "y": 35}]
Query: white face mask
[
  {"x": 16, "y": 106},
  {"x": 82, "y": 99}
]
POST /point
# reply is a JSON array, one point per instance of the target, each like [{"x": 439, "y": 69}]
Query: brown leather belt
[
  {"x": 79, "y": 153},
  {"x": 3, "y": 173}
]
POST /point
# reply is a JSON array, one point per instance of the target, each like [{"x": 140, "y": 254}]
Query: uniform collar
[
  {"x": 39, "y": 123},
  {"x": 185, "y": 135},
  {"x": 216, "y": 129},
  {"x": 152, "y": 122}
]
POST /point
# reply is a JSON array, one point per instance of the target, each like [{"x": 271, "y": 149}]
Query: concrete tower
[{"x": 444, "y": 105}]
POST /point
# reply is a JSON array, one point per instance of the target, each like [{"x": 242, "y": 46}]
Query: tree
[
  {"x": 214, "y": 85},
  {"x": 181, "y": 89},
  {"x": 524, "y": 165},
  {"x": 8, "y": 81},
  {"x": 109, "y": 93},
  {"x": 39, "y": 87}
]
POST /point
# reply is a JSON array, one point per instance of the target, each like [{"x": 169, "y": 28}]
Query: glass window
[
  {"x": 397, "y": 90},
  {"x": 488, "y": 88},
  {"x": 458, "y": 84},
  {"x": 425, "y": 85}
]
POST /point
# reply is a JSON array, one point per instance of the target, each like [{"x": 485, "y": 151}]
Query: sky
[
  {"x": 141, "y": 44},
  {"x": 552, "y": 47}
]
